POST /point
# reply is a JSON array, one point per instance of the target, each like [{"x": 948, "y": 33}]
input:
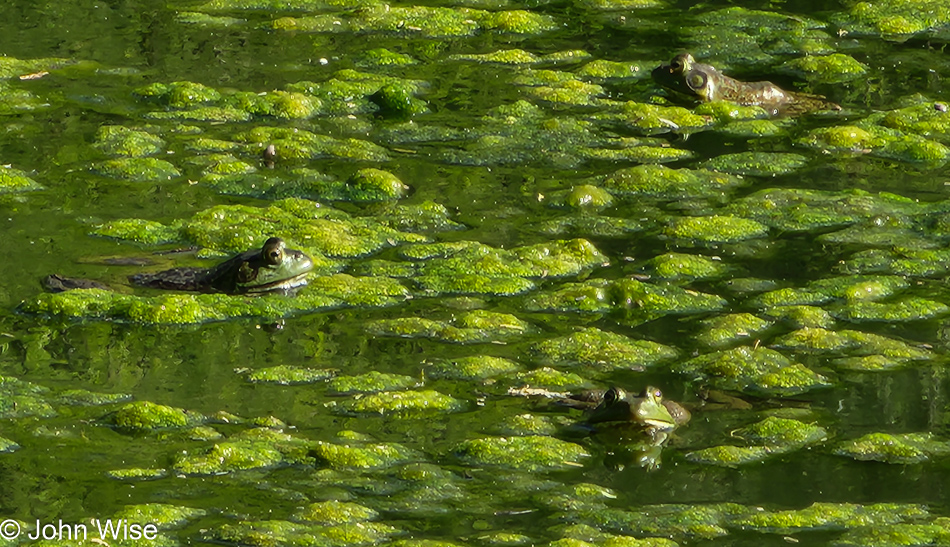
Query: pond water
[{"x": 501, "y": 205}]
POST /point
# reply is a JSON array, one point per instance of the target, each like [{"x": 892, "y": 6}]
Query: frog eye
[
  {"x": 695, "y": 79},
  {"x": 612, "y": 395},
  {"x": 275, "y": 255},
  {"x": 676, "y": 65},
  {"x": 273, "y": 251}
]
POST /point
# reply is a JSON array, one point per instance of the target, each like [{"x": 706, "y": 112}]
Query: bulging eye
[
  {"x": 611, "y": 395},
  {"x": 695, "y": 79},
  {"x": 676, "y": 65},
  {"x": 273, "y": 251}
]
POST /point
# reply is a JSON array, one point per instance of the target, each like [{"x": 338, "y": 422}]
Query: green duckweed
[
  {"x": 594, "y": 348},
  {"x": 147, "y": 416},
  {"x": 902, "y": 448},
  {"x": 400, "y": 403},
  {"x": 289, "y": 375},
  {"x": 531, "y": 453}
]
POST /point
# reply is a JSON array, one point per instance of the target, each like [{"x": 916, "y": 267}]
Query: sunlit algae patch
[
  {"x": 370, "y": 382},
  {"x": 762, "y": 164},
  {"x": 19, "y": 398},
  {"x": 725, "y": 330},
  {"x": 473, "y": 268},
  {"x": 289, "y": 375},
  {"x": 753, "y": 370},
  {"x": 435, "y": 22},
  {"x": 712, "y": 520},
  {"x": 117, "y": 140},
  {"x": 769, "y": 437},
  {"x": 901, "y": 448},
  {"x": 137, "y": 169},
  {"x": 362, "y": 454},
  {"x": 334, "y": 512},
  {"x": 162, "y": 514},
  {"x": 640, "y": 301},
  {"x": 894, "y": 17},
  {"x": 6, "y": 445},
  {"x": 548, "y": 378},
  {"x": 475, "y": 367},
  {"x": 146, "y": 416},
  {"x": 13, "y": 180},
  {"x": 255, "y": 448},
  {"x": 819, "y": 340},
  {"x": 399, "y": 403},
  {"x": 683, "y": 268},
  {"x": 592, "y": 347},
  {"x": 466, "y": 328},
  {"x": 531, "y": 453}
]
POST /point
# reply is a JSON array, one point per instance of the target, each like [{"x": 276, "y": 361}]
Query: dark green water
[{"x": 59, "y": 471}]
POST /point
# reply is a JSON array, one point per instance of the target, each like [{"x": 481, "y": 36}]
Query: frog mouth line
[{"x": 297, "y": 281}]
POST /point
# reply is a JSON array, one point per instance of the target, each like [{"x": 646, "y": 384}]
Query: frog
[
  {"x": 648, "y": 408},
  {"x": 61, "y": 283},
  {"x": 271, "y": 269},
  {"x": 652, "y": 418},
  {"x": 704, "y": 83}
]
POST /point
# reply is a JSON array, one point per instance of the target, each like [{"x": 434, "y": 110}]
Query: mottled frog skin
[
  {"x": 272, "y": 268},
  {"x": 648, "y": 409},
  {"x": 615, "y": 411},
  {"x": 704, "y": 83}
]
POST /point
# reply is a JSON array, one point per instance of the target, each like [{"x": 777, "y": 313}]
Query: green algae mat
[{"x": 502, "y": 208}]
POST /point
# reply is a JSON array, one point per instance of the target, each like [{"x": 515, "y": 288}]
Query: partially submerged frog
[
  {"x": 637, "y": 427},
  {"x": 647, "y": 411},
  {"x": 272, "y": 268},
  {"x": 648, "y": 408},
  {"x": 704, "y": 83},
  {"x": 60, "y": 283}
]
